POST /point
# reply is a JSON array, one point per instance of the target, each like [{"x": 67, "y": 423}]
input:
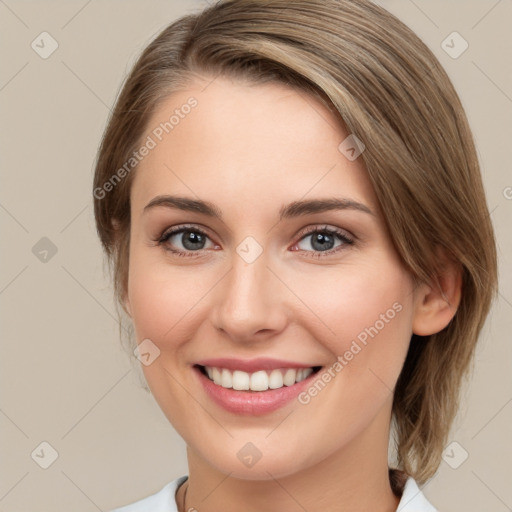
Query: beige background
[{"x": 65, "y": 378}]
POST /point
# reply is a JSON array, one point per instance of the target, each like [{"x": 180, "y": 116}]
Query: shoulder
[
  {"x": 413, "y": 499},
  {"x": 162, "y": 501}
]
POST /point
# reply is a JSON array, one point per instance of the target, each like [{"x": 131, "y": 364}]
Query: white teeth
[
  {"x": 240, "y": 380},
  {"x": 217, "y": 378},
  {"x": 306, "y": 372},
  {"x": 289, "y": 377},
  {"x": 257, "y": 381},
  {"x": 275, "y": 380},
  {"x": 226, "y": 380}
]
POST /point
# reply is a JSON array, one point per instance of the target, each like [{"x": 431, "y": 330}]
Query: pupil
[
  {"x": 323, "y": 240},
  {"x": 191, "y": 240}
]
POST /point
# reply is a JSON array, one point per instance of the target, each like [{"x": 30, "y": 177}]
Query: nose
[{"x": 250, "y": 303}]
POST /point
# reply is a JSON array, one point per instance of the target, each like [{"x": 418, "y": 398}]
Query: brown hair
[{"x": 390, "y": 91}]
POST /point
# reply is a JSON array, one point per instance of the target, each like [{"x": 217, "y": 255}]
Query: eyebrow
[{"x": 294, "y": 209}]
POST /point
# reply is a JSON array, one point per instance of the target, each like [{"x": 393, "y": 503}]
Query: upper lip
[{"x": 252, "y": 365}]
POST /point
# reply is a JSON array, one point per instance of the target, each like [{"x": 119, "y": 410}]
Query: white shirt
[{"x": 164, "y": 500}]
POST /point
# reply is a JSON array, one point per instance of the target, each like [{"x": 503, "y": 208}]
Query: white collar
[{"x": 412, "y": 500}]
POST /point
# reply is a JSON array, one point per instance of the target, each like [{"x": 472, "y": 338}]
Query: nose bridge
[{"x": 249, "y": 300}]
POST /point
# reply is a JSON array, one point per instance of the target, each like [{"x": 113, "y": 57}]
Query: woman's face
[{"x": 265, "y": 272}]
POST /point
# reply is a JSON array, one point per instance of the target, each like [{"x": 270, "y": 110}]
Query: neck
[{"x": 354, "y": 478}]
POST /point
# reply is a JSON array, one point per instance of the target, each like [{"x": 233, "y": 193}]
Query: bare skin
[{"x": 249, "y": 150}]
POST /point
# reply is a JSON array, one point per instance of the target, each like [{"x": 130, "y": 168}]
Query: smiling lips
[
  {"x": 253, "y": 387},
  {"x": 256, "y": 374},
  {"x": 260, "y": 380}
]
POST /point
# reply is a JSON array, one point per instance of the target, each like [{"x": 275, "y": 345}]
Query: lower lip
[{"x": 253, "y": 403}]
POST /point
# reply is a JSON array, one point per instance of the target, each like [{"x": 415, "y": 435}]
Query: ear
[{"x": 436, "y": 303}]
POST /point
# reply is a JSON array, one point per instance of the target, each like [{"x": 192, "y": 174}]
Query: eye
[
  {"x": 323, "y": 240},
  {"x": 190, "y": 241},
  {"x": 190, "y": 238}
]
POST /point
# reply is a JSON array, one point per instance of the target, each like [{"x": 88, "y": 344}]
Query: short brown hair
[{"x": 389, "y": 90}]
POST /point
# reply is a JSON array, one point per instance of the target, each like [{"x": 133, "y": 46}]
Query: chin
[{"x": 269, "y": 461}]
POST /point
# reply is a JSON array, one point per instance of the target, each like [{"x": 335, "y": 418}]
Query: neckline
[{"x": 397, "y": 479}]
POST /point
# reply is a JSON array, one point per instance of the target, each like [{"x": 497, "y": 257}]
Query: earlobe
[{"x": 437, "y": 302}]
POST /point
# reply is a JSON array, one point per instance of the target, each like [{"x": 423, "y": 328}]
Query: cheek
[
  {"x": 366, "y": 318},
  {"x": 363, "y": 316},
  {"x": 347, "y": 300},
  {"x": 164, "y": 301}
]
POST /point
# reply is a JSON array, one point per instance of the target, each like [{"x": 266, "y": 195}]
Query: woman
[{"x": 291, "y": 201}]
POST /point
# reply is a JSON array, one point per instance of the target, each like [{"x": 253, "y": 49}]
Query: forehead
[{"x": 258, "y": 143}]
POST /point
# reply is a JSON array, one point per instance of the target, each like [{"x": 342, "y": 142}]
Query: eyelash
[{"x": 342, "y": 235}]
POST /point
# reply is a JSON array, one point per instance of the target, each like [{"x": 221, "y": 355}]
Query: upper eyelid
[
  {"x": 179, "y": 228},
  {"x": 324, "y": 227}
]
